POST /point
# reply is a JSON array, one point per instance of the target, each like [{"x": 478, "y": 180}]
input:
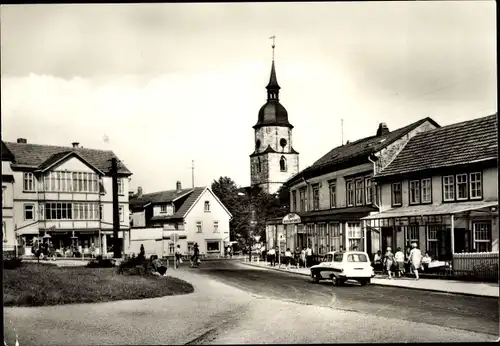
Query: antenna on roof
[
  {"x": 192, "y": 172},
  {"x": 342, "y": 130}
]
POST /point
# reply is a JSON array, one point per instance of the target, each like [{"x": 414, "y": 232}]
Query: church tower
[{"x": 274, "y": 160}]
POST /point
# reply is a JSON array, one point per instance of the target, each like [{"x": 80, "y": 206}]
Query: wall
[
  {"x": 157, "y": 210},
  {"x": 386, "y": 155},
  {"x": 217, "y": 213},
  {"x": 324, "y": 189},
  {"x": 8, "y": 210},
  {"x": 138, "y": 219},
  {"x": 271, "y": 135}
]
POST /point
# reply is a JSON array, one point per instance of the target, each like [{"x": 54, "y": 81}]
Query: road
[{"x": 476, "y": 314}]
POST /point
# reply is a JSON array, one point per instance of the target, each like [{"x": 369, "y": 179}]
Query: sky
[{"x": 172, "y": 83}]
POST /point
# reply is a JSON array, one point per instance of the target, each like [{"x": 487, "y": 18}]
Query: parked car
[{"x": 342, "y": 266}]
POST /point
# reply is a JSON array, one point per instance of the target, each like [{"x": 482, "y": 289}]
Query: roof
[
  {"x": 37, "y": 155},
  {"x": 6, "y": 153},
  {"x": 192, "y": 197},
  {"x": 427, "y": 209},
  {"x": 269, "y": 149},
  {"x": 273, "y": 81},
  {"x": 158, "y": 197},
  {"x": 360, "y": 148},
  {"x": 465, "y": 142}
]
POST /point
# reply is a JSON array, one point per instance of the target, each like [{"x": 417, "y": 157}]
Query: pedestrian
[
  {"x": 195, "y": 261},
  {"x": 399, "y": 257},
  {"x": 296, "y": 257},
  {"x": 309, "y": 257},
  {"x": 271, "y": 255},
  {"x": 415, "y": 259},
  {"x": 288, "y": 258},
  {"x": 230, "y": 251},
  {"x": 178, "y": 256},
  {"x": 303, "y": 257},
  {"x": 389, "y": 260},
  {"x": 377, "y": 261}
]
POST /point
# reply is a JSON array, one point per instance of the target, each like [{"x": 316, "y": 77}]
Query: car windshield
[
  {"x": 338, "y": 257},
  {"x": 327, "y": 258},
  {"x": 357, "y": 257}
]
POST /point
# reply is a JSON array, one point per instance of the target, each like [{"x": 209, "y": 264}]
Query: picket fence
[{"x": 476, "y": 265}]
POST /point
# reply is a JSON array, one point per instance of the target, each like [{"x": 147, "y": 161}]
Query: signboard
[{"x": 291, "y": 219}]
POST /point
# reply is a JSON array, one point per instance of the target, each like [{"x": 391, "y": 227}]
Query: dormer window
[
  {"x": 207, "y": 206},
  {"x": 163, "y": 208}
]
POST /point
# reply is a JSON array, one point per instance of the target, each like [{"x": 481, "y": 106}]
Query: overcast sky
[{"x": 171, "y": 83}]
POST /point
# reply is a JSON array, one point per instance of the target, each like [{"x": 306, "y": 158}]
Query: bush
[
  {"x": 12, "y": 263},
  {"x": 100, "y": 262},
  {"x": 135, "y": 266}
]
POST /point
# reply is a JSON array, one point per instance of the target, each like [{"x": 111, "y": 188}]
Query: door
[
  {"x": 387, "y": 238},
  {"x": 462, "y": 237},
  {"x": 368, "y": 249}
]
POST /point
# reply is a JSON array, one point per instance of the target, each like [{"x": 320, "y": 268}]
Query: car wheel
[
  {"x": 364, "y": 282},
  {"x": 335, "y": 280}
]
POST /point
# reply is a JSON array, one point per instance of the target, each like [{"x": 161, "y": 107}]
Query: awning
[
  {"x": 26, "y": 231},
  {"x": 335, "y": 214},
  {"x": 428, "y": 210}
]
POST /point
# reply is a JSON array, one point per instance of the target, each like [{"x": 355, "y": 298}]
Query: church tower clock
[{"x": 274, "y": 160}]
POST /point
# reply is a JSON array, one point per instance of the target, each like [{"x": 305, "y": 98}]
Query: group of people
[
  {"x": 297, "y": 258},
  {"x": 396, "y": 264}
]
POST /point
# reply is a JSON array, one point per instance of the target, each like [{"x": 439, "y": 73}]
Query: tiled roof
[
  {"x": 460, "y": 143},
  {"x": 365, "y": 146},
  {"x": 53, "y": 159},
  {"x": 6, "y": 153},
  {"x": 182, "y": 210},
  {"x": 159, "y": 197},
  {"x": 33, "y": 155}
]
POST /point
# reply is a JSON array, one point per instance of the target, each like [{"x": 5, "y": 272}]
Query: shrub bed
[{"x": 37, "y": 284}]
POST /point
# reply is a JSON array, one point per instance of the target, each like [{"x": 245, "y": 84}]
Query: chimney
[
  {"x": 75, "y": 144},
  {"x": 139, "y": 192},
  {"x": 179, "y": 187},
  {"x": 22, "y": 140},
  {"x": 382, "y": 130}
]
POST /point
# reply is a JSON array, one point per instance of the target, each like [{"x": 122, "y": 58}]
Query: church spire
[{"x": 273, "y": 86}]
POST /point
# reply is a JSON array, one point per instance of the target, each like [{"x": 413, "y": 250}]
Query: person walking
[
  {"x": 271, "y": 255},
  {"x": 303, "y": 257},
  {"x": 389, "y": 261},
  {"x": 308, "y": 256},
  {"x": 296, "y": 257},
  {"x": 288, "y": 258},
  {"x": 178, "y": 256},
  {"x": 415, "y": 259},
  {"x": 399, "y": 257}
]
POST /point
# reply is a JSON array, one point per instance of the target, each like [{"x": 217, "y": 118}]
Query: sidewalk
[{"x": 480, "y": 289}]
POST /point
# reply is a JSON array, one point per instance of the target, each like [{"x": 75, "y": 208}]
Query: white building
[
  {"x": 196, "y": 215},
  {"x": 65, "y": 192}
]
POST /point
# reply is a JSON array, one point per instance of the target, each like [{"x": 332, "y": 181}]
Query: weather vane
[{"x": 273, "y": 38}]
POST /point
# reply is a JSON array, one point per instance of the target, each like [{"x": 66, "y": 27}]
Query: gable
[
  {"x": 73, "y": 164},
  {"x": 198, "y": 206}
]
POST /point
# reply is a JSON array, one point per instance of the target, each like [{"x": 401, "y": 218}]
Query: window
[
  {"x": 414, "y": 192},
  {"x": 359, "y": 257},
  {"x": 449, "y": 188},
  {"x": 71, "y": 182},
  {"x": 353, "y": 234},
  {"x": 302, "y": 197},
  {"x": 199, "y": 226},
  {"x": 294, "y": 200},
  {"x": 259, "y": 165},
  {"x": 29, "y": 212},
  {"x": 207, "y": 206},
  {"x": 413, "y": 234},
  {"x": 316, "y": 197},
  {"x": 216, "y": 226},
  {"x": 368, "y": 190},
  {"x": 433, "y": 240},
  {"x": 321, "y": 229},
  {"x": 121, "y": 212},
  {"x": 359, "y": 192},
  {"x": 462, "y": 190},
  {"x": 100, "y": 211},
  {"x": 163, "y": 208},
  {"x": 29, "y": 181},
  {"x": 283, "y": 164},
  {"x": 4, "y": 232},
  {"x": 482, "y": 236},
  {"x": 426, "y": 188},
  {"x": 120, "y": 186},
  {"x": 335, "y": 236},
  {"x": 338, "y": 257},
  {"x": 475, "y": 185},
  {"x": 333, "y": 194},
  {"x": 213, "y": 246},
  {"x": 171, "y": 248},
  {"x": 74, "y": 211},
  {"x": 396, "y": 194},
  {"x": 350, "y": 193}
]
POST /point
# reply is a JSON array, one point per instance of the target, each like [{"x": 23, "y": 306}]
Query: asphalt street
[{"x": 476, "y": 314}]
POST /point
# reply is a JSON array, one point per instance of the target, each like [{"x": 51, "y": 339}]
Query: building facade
[
  {"x": 331, "y": 196},
  {"x": 441, "y": 192},
  {"x": 274, "y": 160},
  {"x": 194, "y": 215},
  {"x": 64, "y": 195},
  {"x": 8, "y": 233}
]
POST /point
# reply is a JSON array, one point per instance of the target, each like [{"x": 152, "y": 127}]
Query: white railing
[{"x": 480, "y": 265}]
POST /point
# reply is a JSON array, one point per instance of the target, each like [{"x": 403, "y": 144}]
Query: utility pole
[
  {"x": 342, "y": 130},
  {"x": 117, "y": 253},
  {"x": 192, "y": 173}
]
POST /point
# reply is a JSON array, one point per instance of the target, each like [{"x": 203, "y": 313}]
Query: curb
[{"x": 380, "y": 284}]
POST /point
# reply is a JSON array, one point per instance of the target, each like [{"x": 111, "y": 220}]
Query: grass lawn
[{"x": 43, "y": 284}]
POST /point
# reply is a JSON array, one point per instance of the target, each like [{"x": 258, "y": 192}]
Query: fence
[{"x": 476, "y": 266}]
